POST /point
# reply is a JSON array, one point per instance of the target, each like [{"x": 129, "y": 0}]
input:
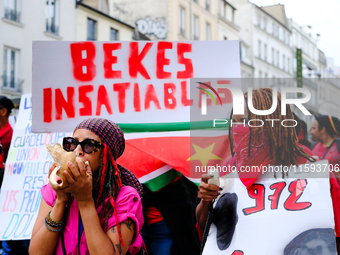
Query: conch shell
[{"x": 60, "y": 158}]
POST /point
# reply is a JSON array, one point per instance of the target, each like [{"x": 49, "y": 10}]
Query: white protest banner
[
  {"x": 275, "y": 216},
  {"x": 26, "y": 172},
  {"x": 142, "y": 86},
  {"x": 127, "y": 82}
]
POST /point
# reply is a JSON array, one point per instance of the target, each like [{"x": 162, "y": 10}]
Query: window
[
  {"x": 288, "y": 65},
  {"x": 284, "y": 35},
  {"x": 113, "y": 34},
  {"x": 273, "y": 28},
  {"x": 207, "y": 5},
  {"x": 52, "y": 16},
  {"x": 229, "y": 13},
  {"x": 284, "y": 62},
  {"x": 259, "y": 49},
  {"x": 295, "y": 39},
  {"x": 260, "y": 74},
  {"x": 207, "y": 31},
  {"x": 195, "y": 28},
  {"x": 278, "y": 58},
  {"x": 222, "y": 8},
  {"x": 265, "y": 24},
  {"x": 11, "y": 10},
  {"x": 182, "y": 21},
  {"x": 91, "y": 29},
  {"x": 259, "y": 19},
  {"x": 273, "y": 56},
  {"x": 10, "y": 75},
  {"x": 277, "y": 31},
  {"x": 243, "y": 74},
  {"x": 265, "y": 52},
  {"x": 244, "y": 52}
]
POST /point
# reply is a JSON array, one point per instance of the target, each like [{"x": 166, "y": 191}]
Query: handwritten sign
[
  {"x": 26, "y": 172},
  {"x": 128, "y": 82},
  {"x": 275, "y": 216}
]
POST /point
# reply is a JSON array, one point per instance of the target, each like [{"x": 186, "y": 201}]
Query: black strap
[
  {"x": 328, "y": 148},
  {"x": 63, "y": 243},
  {"x": 207, "y": 227},
  {"x": 67, "y": 210},
  {"x": 80, "y": 231}
]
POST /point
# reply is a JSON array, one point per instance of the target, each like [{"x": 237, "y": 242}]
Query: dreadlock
[
  {"x": 283, "y": 141},
  {"x": 109, "y": 189},
  {"x": 100, "y": 193}
]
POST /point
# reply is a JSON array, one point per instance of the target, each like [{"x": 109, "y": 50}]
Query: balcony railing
[
  {"x": 52, "y": 28},
  {"x": 11, "y": 84},
  {"x": 12, "y": 15}
]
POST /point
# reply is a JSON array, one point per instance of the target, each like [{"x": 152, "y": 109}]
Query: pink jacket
[{"x": 128, "y": 205}]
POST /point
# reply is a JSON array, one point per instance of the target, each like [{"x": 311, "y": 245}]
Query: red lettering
[
  {"x": 277, "y": 193},
  {"x": 162, "y": 61},
  {"x": 121, "y": 88},
  {"x": 15, "y": 201},
  {"x": 184, "y": 99},
  {"x": 10, "y": 197},
  {"x": 187, "y": 62},
  {"x": 86, "y": 110},
  {"x": 4, "y": 209},
  {"x": 109, "y": 73},
  {"x": 256, "y": 191},
  {"x": 135, "y": 60},
  {"x": 169, "y": 99},
  {"x": 83, "y": 54},
  {"x": 136, "y": 98},
  {"x": 47, "y": 94},
  {"x": 9, "y": 170},
  {"x": 150, "y": 95},
  {"x": 238, "y": 252},
  {"x": 296, "y": 189},
  {"x": 103, "y": 99},
  {"x": 61, "y": 103}
]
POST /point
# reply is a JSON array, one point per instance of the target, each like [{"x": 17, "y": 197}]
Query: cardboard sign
[
  {"x": 127, "y": 82},
  {"x": 26, "y": 172},
  {"x": 275, "y": 216}
]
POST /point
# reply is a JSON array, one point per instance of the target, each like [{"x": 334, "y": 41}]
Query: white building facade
[
  {"x": 23, "y": 22},
  {"x": 265, "y": 39}
]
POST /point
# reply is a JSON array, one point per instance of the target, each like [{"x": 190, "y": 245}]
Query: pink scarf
[{"x": 250, "y": 167}]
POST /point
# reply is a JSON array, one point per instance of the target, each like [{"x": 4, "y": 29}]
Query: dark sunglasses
[{"x": 88, "y": 145}]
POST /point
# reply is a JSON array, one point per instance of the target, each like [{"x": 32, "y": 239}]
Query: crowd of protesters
[{"x": 105, "y": 210}]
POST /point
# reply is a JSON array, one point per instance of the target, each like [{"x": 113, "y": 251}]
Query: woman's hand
[
  {"x": 208, "y": 192},
  {"x": 80, "y": 185},
  {"x": 62, "y": 195}
]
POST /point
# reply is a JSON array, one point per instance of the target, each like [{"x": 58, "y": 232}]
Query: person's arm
[
  {"x": 98, "y": 242},
  {"x": 207, "y": 193},
  {"x": 127, "y": 229},
  {"x": 44, "y": 241}
]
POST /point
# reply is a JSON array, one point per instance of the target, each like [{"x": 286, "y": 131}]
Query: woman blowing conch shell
[
  {"x": 96, "y": 213},
  {"x": 60, "y": 158}
]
